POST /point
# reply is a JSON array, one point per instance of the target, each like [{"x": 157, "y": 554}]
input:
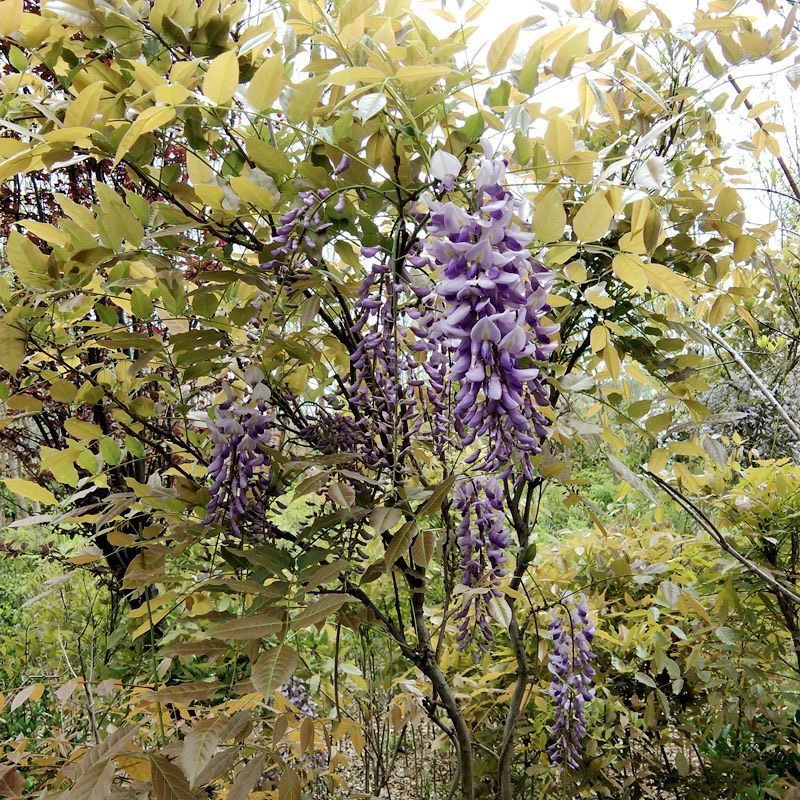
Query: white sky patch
[{"x": 769, "y": 81}]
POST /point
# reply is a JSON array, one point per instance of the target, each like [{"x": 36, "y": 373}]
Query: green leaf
[
  {"x": 725, "y": 635},
  {"x": 269, "y": 158},
  {"x": 289, "y": 785},
  {"x": 141, "y": 304},
  {"x": 437, "y": 497},
  {"x": 319, "y": 610},
  {"x": 399, "y": 543},
  {"x": 199, "y": 746},
  {"x": 186, "y": 693},
  {"x": 304, "y": 100},
  {"x": 94, "y": 783},
  {"x": 110, "y": 451},
  {"x": 384, "y": 519},
  {"x": 246, "y": 779},
  {"x": 109, "y": 747},
  {"x": 168, "y": 780},
  {"x": 258, "y": 626},
  {"x": 645, "y": 679}
]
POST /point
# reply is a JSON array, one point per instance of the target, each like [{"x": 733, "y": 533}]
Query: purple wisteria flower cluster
[
  {"x": 296, "y": 692},
  {"x": 300, "y": 231},
  {"x": 494, "y": 297},
  {"x": 378, "y": 359},
  {"x": 240, "y": 432},
  {"x": 482, "y": 539},
  {"x": 571, "y": 686},
  {"x": 397, "y": 392}
]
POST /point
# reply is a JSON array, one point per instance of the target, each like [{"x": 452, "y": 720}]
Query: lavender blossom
[
  {"x": 299, "y": 233},
  {"x": 482, "y": 539},
  {"x": 295, "y": 691},
  {"x": 494, "y": 299},
  {"x": 394, "y": 393},
  {"x": 572, "y": 671},
  {"x": 239, "y": 467}
]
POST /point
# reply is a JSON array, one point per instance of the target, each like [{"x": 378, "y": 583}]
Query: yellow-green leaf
[
  {"x": 81, "y": 111},
  {"x": 10, "y": 17},
  {"x": 304, "y": 100},
  {"x": 399, "y": 543},
  {"x": 251, "y": 192},
  {"x": 222, "y": 78},
  {"x": 31, "y": 490},
  {"x": 662, "y": 279},
  {"x": 502, "y": 48},
  {"x": 319, "y": 610},
  {"x": 148, "y": 120},
  {"x": 549, "y": 217},
  {"x": 27, "y": 260},
  {"x": 12, "y": 343},
  {"x": 419, "y": 73},
  {"x": 273, "y": 668},
  {"x": 353, "y": 75},
  {"x": 593, "y": 218},
  {"x": 558, "y": 139},
  {"x": 266, "y": 84},
  {"x": 629, "y": 268}
]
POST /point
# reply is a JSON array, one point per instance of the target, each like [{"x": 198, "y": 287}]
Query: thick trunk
[
  {"x": 427, "y": 663},
  {"x": 460, "y": 729}
]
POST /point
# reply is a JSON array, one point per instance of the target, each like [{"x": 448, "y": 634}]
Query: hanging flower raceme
[
  {"x": 241, "y": 433},
  {"x": 494, "y": 298},
  {"x": 571, "y": 667},
  {"x": 390, "y": 386},
  {"x": 296, "y": 692},
  {"x": 299, "y": 232},
  {"x": 482, "y": 540},
  {"x": 297, "y": 695}
]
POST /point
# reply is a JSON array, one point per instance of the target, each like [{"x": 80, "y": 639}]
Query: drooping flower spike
[
  {"x": 482, "y": 540},
  {"x": 394, "y": 394},
  {"x": 299, "y": 233},
  {"x": 241, "y": 432},
  {"x": 570, "y": 664},
  {"x": 493, "y": 299}
]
